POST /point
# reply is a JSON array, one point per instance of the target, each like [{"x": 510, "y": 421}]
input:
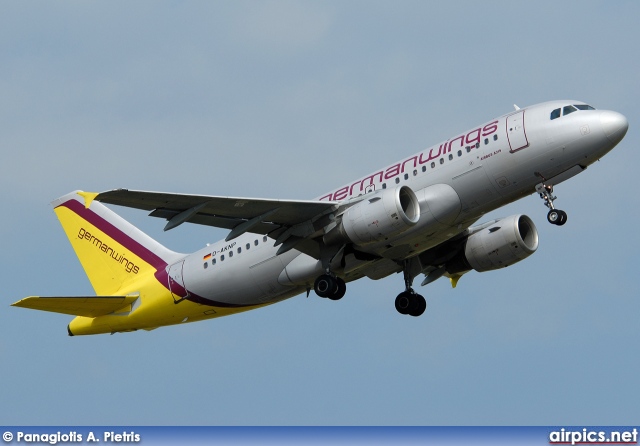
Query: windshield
[
  {"x": 567, "y": 109},
  {"x": 583, "y": 107}
]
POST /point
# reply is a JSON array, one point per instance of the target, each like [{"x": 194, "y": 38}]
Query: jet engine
[
  {"x": 381, "y": 215},
  {"x": 499, "y": 245}
]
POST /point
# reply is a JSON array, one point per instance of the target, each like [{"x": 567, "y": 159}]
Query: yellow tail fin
[{"x": 112, "y": 251}]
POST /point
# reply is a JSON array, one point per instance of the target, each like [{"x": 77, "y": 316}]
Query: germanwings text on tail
[{"x": 417, "y": 216}]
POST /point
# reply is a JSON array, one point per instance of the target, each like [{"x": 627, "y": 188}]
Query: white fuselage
[{"x": 456, "y": 182}]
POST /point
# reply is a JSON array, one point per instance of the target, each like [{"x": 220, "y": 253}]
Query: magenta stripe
[{"x": 116, "y": 234}]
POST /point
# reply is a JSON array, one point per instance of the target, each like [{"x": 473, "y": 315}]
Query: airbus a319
[{"x": 417, "y": 216}]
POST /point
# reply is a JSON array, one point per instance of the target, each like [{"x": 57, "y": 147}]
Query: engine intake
[
  {"x": 376, "y": 218},
  {"x": 500, "y": 245}
]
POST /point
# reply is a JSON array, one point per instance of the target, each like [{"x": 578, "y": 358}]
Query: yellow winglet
[{"x": 88, "y": 197}]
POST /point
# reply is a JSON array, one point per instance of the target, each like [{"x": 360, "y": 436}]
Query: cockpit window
[{"x": 567, "y": 109}]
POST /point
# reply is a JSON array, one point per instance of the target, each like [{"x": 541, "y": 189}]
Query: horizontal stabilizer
[{"x": 89, "y": 306}]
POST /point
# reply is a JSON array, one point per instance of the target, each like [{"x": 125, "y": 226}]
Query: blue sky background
[{"x": 284, "y": 99}]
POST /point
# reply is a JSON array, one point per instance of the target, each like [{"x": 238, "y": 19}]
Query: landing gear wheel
[
  {"x": 330, "y": 286},
  {"x": 405, "y": 302},
  {"x": 339, "y": 292},
  {"x": 325, "y": 285},
  {"x": 557, "y": 217},
  {"x": 408, "y": 302},
  {"x": 421, "y": 305},
  {"x": 563, "y": 218}
]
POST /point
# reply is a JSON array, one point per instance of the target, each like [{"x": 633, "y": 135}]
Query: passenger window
[
  {"x": 459, "y": 152},
  {"x": 424, "y": 168},
  {"x": 406, "y": 176},
  {"x": 397, "y": 180},
  {"x": 239, "y": 249},
  {"x": 568, "y": 109},
  {"x": 222, "y": 258},
  {"x": 450, "y": 157},
  {"x": 230, "y": 254},
  {"x": 255, "y": 242},
  {"x": 486, "y": 141},
  {"x": 555, "y": 114},
  {"x": 264, "y": 239},
  {"x": 384, "y": 185},
  {"x": 477, "y": 145},
  {"x": 248, "y": 246},
  {"x": 495, "y": 137},
  {"x": 441, "y": 160},
  {"x": 468, "y": 149},
  {"x": 206, "y": 265},
  {"x": 433, "y": 164},
  {"x": 415, "y": 172},
  {"x": 213, "y": 262}
]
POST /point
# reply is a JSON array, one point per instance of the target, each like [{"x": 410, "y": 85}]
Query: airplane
[{"x": 416, "y": 216}]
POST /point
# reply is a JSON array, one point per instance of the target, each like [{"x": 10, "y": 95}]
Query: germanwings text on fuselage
[{"x": 471, "y": 139}]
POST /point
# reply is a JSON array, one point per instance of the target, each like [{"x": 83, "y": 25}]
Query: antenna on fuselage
[{"x": 516, "y": 107}]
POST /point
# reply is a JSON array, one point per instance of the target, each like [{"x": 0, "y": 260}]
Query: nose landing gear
[
  {"x": 554, "y": 216},
  {"x": 557, "y": 217}
]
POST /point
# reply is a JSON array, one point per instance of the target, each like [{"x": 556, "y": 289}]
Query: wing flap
[
  {"x": 89, "y": 306},
  {"x": 215, "y": 221}
]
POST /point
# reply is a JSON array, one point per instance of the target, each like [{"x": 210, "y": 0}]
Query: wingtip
[
  {"x": 21, "y": 302},
  {"x": 88, "y": 197}
]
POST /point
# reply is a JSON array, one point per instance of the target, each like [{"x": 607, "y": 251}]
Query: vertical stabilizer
[{"x": 112, "y": 251}]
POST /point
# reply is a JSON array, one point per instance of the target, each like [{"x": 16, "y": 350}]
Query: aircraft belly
[
  {"x": 226, "y": 286},
  {"x": 474, "y": 188},
  {"x": 233, "y": 281},
  {"x": 264, "y": 277},
  {"x": 532, "y": 170},
  {"x": 301, "y": 271}
]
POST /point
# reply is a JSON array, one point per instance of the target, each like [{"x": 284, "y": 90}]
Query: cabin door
[
  {"x": 176, "y": 282},
  {"x": 516, "y": 133}
]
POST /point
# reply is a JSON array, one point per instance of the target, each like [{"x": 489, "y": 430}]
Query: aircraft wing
[
  {"x": 291, "y": 220},
  {"x": 89, "y": 306}
]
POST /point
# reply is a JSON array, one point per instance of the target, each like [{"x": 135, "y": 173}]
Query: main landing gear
[
  {"x": 410, "y": 302},
  {"x": 331, "y": 286},
  {"x": 554, "y": 216}
]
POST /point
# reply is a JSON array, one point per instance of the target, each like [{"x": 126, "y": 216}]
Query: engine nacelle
[
  {"x": 500, "y": 245},
  {"x": 376, "y": 218}
]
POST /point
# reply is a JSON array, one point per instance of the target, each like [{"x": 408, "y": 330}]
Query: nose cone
[{"x": 614, "y": 125}]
